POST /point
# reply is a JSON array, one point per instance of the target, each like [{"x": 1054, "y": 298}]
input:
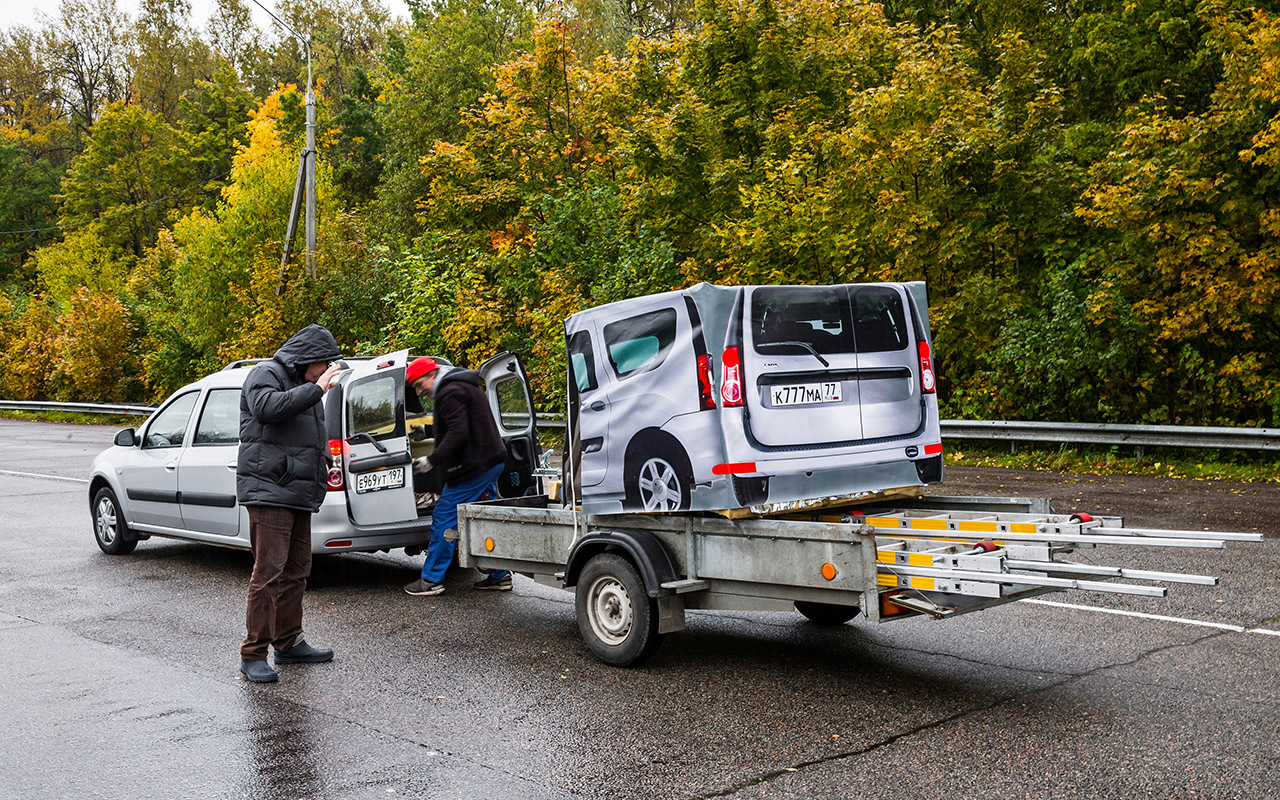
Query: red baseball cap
[{"x": 419, "y": 367}]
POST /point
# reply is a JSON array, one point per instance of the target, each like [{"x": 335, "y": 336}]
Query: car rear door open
[{"x": 375, "y": 444}]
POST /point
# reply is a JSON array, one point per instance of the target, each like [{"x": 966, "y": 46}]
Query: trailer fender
[{"x": 642, "y": 548}]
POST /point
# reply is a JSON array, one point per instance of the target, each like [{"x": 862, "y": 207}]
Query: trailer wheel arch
[{"x": 641, "y": 548}]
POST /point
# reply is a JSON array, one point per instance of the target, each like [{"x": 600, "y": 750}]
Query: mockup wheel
[
  {"x": 617, "y": 619},
  {"x": 657, "y": 477},
  {"x": 826, "y": 613},
  {"x": 109, "y": 526}
]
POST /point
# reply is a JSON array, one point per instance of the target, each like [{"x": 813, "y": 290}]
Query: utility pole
[
  {"x": 305, "y": 187},
  {"x": 311, "y": 171}
]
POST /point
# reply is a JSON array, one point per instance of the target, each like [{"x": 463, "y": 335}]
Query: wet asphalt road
[{"x": 120, "y": 680}]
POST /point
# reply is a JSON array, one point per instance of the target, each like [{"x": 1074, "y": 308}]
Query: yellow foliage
[
  {"x": 264, "y": 145},
  {"x": 30, "y": 354},
  {"x": 94, "y": 335}
]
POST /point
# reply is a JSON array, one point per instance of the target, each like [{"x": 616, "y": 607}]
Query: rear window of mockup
[
  {"x": 794, "y": 320},
  {"x": 789, "y": 320},
  {"x": 879, "y": 320},
  {"x": 640, "y": 343}
]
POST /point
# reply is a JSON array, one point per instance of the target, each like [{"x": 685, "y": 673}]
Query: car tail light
[
  {"x": 335, "y": 482},
  {"x": 928, "y": 381},
  {"x": 706, "y": 394},
  {"x": 731, "y": 386}
]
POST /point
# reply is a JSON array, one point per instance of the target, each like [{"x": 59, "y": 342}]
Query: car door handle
[
  {"x": 232, "y": 466},
  {"x": 171, "y": 466},
  {"x": 597, "y": 406}
]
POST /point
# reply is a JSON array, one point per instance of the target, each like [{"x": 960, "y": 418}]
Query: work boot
[
  {"x": 259, "y": 671},
  {"x": 422, "y": 588},
  {"x": 303, "y": 653},
  {"x": 491, "y": 583}
]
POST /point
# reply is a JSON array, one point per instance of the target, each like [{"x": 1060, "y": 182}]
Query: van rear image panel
[{"x": 755, "y": 397}]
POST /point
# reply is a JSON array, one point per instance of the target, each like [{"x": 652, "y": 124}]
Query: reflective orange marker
[{"x": 829, "y": 571}]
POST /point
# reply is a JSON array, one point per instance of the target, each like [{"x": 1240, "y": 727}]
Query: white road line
[
  {"x": 39, "y": 475},
  {"x": 1181, "y": 620}
]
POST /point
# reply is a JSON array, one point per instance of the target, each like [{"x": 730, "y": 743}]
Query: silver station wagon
[{"x": 175, "y": 475}]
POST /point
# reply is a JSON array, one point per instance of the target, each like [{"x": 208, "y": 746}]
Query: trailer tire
[
  {"x": 616, "y": 617},
  {"x": 826, "y": 613}
]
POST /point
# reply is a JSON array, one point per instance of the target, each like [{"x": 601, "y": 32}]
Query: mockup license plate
[
  {"x": 377, "y": 481},
  {"x": 805, "y": 394}
]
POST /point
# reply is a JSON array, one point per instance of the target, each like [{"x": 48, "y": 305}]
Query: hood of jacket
[
  {"x": 312, "y": 344},
  {"x": 459, "y": 375}
]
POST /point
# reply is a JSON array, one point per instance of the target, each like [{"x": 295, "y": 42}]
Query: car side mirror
[{"x": 126, "y": 438}]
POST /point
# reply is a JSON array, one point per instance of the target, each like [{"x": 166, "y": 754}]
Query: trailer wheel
[
  {"x": 617, "y": 619},
  {"x": 826, "y": 613}
]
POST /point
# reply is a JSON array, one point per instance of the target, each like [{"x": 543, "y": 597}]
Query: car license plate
[
  {"x": 382, "y": 479},
  {"x": 805, "y": 394}
]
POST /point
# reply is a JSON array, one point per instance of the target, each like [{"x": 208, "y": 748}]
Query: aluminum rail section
[
  {"x": 1140, "y": 436},
  {"x": 979, "y": 559}
]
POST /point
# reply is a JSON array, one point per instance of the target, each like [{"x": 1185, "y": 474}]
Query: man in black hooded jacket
[{"x": 280, "y": 478}]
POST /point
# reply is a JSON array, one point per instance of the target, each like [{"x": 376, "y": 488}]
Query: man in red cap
[{"x": 469, "y": 451}]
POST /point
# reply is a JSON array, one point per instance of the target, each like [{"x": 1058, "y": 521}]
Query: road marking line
[
  {"x": 39, "y": 475},
  {"x": 1160, "y": 617}
]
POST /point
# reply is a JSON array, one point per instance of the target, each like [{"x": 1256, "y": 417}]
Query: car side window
[
  {"x": 220, "y": 419},
  {"x": 168, "y": 427},
  {"x": 375, "y": 406},
  {"x": 583, "y": 361},
  {"x": 641, "y": 343}
]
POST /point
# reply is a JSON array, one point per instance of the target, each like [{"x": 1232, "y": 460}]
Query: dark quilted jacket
[
  {"x": 283, "y": 443},
  {"x": 467, "y": 438}
]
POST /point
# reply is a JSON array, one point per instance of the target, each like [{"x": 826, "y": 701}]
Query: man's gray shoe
[
  {"x": 259, "y": 671},
  {"x": 423, "y": 588},
  {"x": 491, "y": 583},
  {"x": 303, "y": 653}
]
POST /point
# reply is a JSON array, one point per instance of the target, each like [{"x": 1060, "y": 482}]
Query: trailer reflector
[{"x": 829, "y": 571}]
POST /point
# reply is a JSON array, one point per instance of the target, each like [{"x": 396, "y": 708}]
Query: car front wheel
[{"x": 109, "y": 527}]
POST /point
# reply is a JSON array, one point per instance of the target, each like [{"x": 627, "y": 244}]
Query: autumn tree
[
  {"x": 87, "y": 49},
  {"x": 167, "y": 58},
  {"x": 131, "y": 173}
]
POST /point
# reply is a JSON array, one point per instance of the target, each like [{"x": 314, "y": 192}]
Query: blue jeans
[{"x": 445, "y": 516}]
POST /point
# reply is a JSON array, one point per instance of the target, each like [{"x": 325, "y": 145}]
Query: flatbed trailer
[{"x": 635, "y": 575}]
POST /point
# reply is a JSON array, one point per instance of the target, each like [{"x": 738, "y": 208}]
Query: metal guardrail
[
  {"x": 118, "y": 410},
  {"x": 1139, "y": 436}
]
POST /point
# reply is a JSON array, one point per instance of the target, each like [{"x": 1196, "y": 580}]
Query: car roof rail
[{"x": 248, "y": 362}]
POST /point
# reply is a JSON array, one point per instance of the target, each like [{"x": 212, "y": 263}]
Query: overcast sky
[{"x": 28, "y": 12}]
